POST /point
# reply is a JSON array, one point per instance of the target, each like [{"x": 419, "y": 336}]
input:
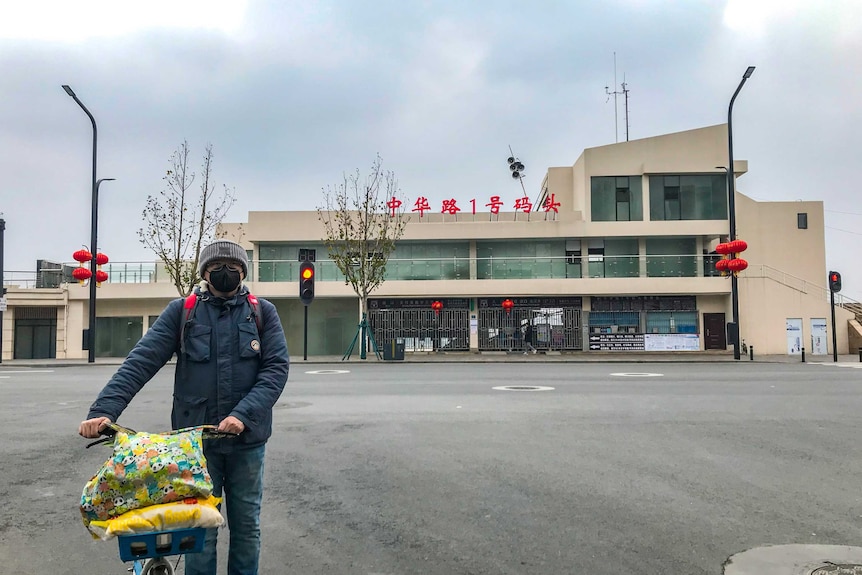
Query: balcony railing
[
  {"x": 456, "y": 268},
  {"x": 494, "y": 268}
]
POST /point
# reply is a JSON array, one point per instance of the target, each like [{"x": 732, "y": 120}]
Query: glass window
[
  {"x": 671, "y": 322},
  {"x": 802, "y": 221},
  {"x": 688, "y": 197},
  {"x": 621, "y": 258},
  {"x": 616, "y": 199},
  {"x": 521, "y": 259},
  {"x": 671, "y": 257}
]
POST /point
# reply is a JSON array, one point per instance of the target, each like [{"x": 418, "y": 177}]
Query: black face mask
[{"x": 224, "y": 279}]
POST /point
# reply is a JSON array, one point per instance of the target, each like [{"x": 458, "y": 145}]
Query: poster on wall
[
  {"x": 794, "y": 336},
  {"x": 616, "y": 342},
  {"x": 671, "y": 342},
  {"x": 818, "y": 336}
]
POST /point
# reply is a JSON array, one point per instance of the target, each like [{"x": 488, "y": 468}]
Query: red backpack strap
[
  {"x": 189, "y": 306},
  {"x": 255, "y": 311}
]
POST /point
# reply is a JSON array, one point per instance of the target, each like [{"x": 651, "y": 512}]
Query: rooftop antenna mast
[{"x": 624, "y": 92}]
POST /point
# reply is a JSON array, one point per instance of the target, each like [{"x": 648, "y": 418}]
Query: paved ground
[
  {"x": 511, "y": 357},
  {"x": 734, "y": 468}
]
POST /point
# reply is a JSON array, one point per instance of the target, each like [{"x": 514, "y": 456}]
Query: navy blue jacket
[{"x": 227, "y": 368}]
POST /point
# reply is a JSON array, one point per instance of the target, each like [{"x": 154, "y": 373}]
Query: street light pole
[
  {"x": 731, "y": 180},
  {"x": 94, "y": 217}
]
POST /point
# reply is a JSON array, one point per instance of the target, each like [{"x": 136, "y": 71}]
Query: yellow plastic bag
[{"x": 185, "y": 514}]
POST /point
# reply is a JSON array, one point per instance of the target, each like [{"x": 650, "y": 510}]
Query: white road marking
[
  {"x": 523, "y": 388},
  {"x": 327, "y": 371},
  {"x": 29, "y": 371},
  {"x": 638, "y": 374}
]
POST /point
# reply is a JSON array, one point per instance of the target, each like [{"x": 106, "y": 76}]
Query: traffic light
[
  {"x": 834, "y": 281},
  {"x": 306, "y": 282}
]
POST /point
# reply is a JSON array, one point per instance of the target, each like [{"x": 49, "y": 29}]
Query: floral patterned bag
[{"x": 147, "y": 469}]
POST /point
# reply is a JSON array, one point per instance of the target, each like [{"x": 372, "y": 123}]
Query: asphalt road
[{"x": 425, "y": 469}]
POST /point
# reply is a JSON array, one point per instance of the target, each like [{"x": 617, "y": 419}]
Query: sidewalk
[{"x": 500, "y": 357}]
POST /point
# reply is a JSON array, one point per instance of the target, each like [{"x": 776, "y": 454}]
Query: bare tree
[
  {"x": 363, "y": 219},
  {"x": 179, "y": 222}
]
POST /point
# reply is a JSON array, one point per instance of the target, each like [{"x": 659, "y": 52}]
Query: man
[
  {"x": 231, "y": 369},
  {"x": 528, "y": 339}
]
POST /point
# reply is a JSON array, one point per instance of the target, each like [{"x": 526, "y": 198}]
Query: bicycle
[{"x": 149, "y": 553}]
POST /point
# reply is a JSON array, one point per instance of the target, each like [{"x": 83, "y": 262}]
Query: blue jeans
[{"x": 239, "y": 474}]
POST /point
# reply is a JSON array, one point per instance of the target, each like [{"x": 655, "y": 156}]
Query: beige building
[{"x": 617, "y": 253}]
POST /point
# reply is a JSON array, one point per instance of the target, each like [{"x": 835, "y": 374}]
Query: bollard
[
  {"x": 860, "y": 354},
  {"x": 803, "y": 355},
  {"x": 751, "y": 353}
]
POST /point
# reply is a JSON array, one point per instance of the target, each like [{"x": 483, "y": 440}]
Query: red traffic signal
[
  {"x": 306, "y": 282},
  {"x": 835, "y": 281}
]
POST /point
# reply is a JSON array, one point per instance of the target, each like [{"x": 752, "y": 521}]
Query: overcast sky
[{"x": 293, "y": 93}]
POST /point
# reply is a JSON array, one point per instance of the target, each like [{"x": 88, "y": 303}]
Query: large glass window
[
  {"x": 688, "y": 197},
  {"x": 521, "y": 259},
  {"x": 616, "y": 199},
  {"x": 613, "y": 258},
  {"x": 671, "y": 257},
  {"x": 280, "y": 263},
  {"x": 429, "y": 261}
]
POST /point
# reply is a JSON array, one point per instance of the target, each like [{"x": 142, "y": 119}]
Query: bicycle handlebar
[{"x": 207, "y": 432}]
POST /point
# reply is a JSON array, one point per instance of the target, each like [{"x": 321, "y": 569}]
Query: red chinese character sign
[
  {"x": 523, "y": 205},
  {"x": 421, "y": 206},
  {"x": 551, "y": 204},
  {"x": 393, "y": 206},
  {"x": 451, "y": 207},
  {"x": 495, "y": 205}
]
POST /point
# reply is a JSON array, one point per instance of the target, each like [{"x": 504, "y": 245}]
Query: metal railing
[{"x": 454, "y": 268}]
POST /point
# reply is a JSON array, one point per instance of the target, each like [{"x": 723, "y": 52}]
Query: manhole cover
[
  {"x": 838, "y": 569},
  {"x": 523, "y": 388}
]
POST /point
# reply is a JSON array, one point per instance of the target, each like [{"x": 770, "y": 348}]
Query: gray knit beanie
[{"x": 223, "y": 249}]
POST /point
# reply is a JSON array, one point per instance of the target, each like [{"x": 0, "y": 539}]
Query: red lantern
[
  {"x": 101, "y": 259},
  {"x": 737, "y": 265},
  {"x": 722, "y": 249},
  {"x": 508, "y": 305},
  {"x": 101, "y": 276},
  {"x": 82, "y": 256},
  {"x": 81, "y": 274},
  {"x": 437, "y": 306},
  {"x": 721, "y": 265}
]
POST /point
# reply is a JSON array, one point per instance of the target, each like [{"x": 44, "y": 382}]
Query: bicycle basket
[{"x": 147, "y": 469}]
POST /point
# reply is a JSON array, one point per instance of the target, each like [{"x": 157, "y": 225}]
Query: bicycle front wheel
[{"x": 158, "y": 566}]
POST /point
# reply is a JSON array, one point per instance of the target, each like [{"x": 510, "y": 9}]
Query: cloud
[
  {"x": 293, "y": 93},
  {"x": 60, "y": 21}
]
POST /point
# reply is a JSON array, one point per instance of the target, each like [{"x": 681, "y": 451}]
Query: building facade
[{"x": 617, "y": 253}]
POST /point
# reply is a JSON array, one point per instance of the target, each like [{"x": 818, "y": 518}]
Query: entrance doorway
[
  {"x": 35, "y": 333},
  {"x": 714, "y": 336}
]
